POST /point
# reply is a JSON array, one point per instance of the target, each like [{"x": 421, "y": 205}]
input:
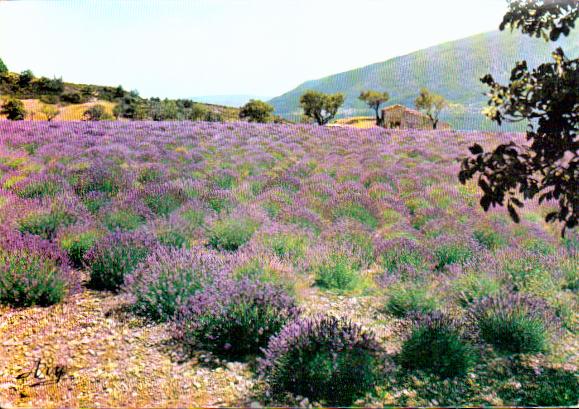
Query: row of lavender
[{"x": 216, "y": 228}]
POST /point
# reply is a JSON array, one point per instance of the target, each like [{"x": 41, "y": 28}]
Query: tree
[
  {"x": 49, "y": 111},
  {"x": 431, "y": 104},
  {"x": 13, "y": 109},
  {"x": 548, "y": 99},
  {"x": 3, "y": 67},
  {"x": 197, "y": 112},
  {"x": 26, "y": 78},
  {"x": 374, "y": 99},
  {"x": 96, "y": 113},
  {"x": 119, "y": 92},
  {"x": 256, "y": 111},
  {"x": 321, "y": 107}
]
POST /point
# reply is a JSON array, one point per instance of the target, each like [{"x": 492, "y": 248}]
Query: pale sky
[{"x": 174, "y": 49}]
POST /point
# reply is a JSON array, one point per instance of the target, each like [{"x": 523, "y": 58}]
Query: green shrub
[
  {"x": 489, "y": 238},
  {"x": 403, "y": 300},
  {"x": 164, "y": 202},
  {"x": 514, "y": 323},
  {"x": 39, "y": 189},
  {"x": 325, "y": 359},
  {"x": 451, "y": 253},
  {"x": 46, "y": 225},
  {"x": 436, "y": 345},
  {"x": 287, "y": 245},
  {"x": 168, "y": 277},
  {"x": 356, "y": 211},
  {"x": 231, "y": 233},
  {"x": 337, "y": 273},
  {"x": 400, "y": 253},
  {"x": 194, "y": 217},
  {"x": 262, "y": 269},
  {"x": 32, "y": 271},
  {"x": 76, "y": 245},
  {"x": 234, "y": 318},
  {"x": 117, "y": 255},
  {"x": 472, "y": 286},
  {"x": 123, "y": 220}
]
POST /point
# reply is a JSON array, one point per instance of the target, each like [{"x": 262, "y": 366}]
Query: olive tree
[
  {"x": 256, "y": 111},
  {"x": 431, "y": 104},
  {"x": 374, "y": 99},
  {"x": 321, "y": 107}
]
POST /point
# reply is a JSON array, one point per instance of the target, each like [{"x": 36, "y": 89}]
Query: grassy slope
[{"x": 452, "y": 69}]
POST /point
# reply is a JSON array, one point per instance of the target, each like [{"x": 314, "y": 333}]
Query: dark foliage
[
  {"x": 548, "y": 98},
  {"x": 323, "y": 358}
]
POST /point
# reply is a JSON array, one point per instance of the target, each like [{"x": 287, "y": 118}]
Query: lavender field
[{"x": 228, "y": 264}]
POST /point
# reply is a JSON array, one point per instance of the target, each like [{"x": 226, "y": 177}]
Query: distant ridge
[{"x": 451, "y": 69}]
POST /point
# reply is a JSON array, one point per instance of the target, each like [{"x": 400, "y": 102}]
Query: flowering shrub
[
  {"x": 46, "y": 225},
  {"x": 437, "y": 345},
  {"x": 168, "y": 277},
  {"x": 234, "y": 318},
  {"x": 163, "y": 200},
  {"x": 398, "y": 254},
  {"x": 115, "y": 256},
  {"x": 76, "y": 244},
  {"x": 452, "y": 251},
  {"x": 231, "y": 233},
  {"x": 32, "y": 271},
  {"x": 324, "y": 359},
  {"x": 515, "y": 323},
  {"x": 473, "y": 286}
]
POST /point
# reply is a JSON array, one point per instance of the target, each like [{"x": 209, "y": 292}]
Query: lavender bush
[
  {"x": 33, "y": 271},
  {"x": 437, "y": 345},
  {"x": 234, "y": 317},
  {"x": 168, "y": 277},
  {"x": 115, "y": 256},
  {"x": 515, "y": 323},
  {"x": 325, "y": 359}
]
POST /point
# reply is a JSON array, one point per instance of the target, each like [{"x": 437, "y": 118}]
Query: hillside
[
  {"x": 452, "y": 69},
  {"x": 73, "y": 99}
]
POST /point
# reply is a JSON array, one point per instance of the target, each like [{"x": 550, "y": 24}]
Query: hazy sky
[{"x": 190, "y": 48}]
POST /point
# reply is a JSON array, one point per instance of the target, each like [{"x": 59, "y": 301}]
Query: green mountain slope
[{"x": 452, "y": 69}]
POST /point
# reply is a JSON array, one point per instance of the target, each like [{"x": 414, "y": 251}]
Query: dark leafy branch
[{"x": 548, "y": 98}]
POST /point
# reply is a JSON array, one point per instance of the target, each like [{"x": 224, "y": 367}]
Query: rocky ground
[{"x": 112, "y": 358}]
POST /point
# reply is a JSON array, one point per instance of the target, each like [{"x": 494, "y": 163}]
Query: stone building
[{"x": 399, "y": 116}]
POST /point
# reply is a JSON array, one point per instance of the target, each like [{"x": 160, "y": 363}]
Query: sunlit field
[{"x": 195, "y": 263}]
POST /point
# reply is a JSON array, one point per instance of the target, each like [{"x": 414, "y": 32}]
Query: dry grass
[{"x": 363, "y": 122}]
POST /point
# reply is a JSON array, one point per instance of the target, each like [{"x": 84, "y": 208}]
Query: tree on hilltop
[
  {"x": 3, "y": 67},
  {"x": 374, "y": 99},
  {"x": 547, "y": 98},
  {"x": 256, "y": 111},
  {"x": 321, "y": 107},
  {"x": 431, "y": 104}
]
